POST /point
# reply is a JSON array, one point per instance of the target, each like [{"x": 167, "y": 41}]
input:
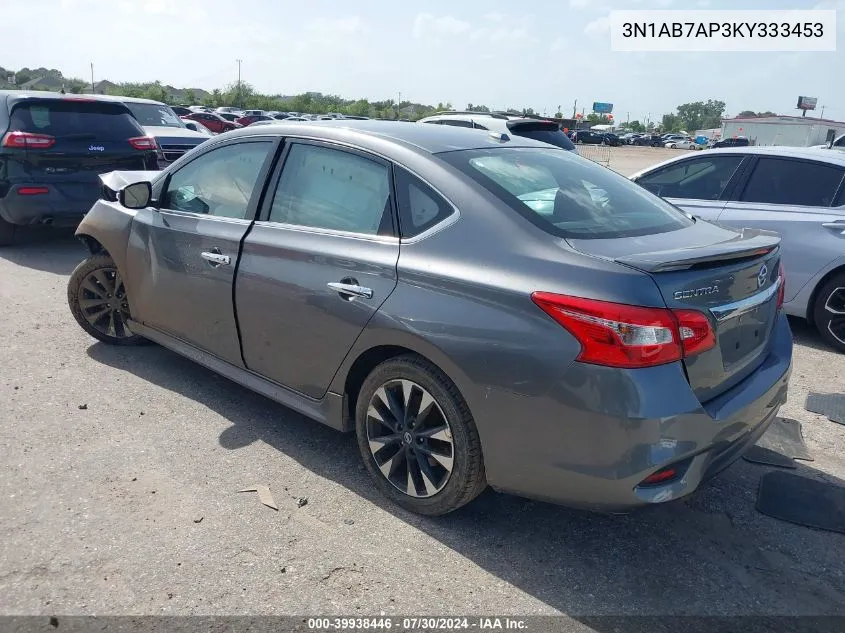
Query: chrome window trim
[{"x": 730, "y": 310}]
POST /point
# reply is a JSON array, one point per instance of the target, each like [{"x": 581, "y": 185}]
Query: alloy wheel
[
  {"x": 835, "y": 308},
  {"x": 103, "y": 302},
  {"x": 410, "y": 439}
]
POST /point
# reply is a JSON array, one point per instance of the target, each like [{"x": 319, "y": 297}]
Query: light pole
[
  {"x": 239, "y": 61},
  {"x": 92, "y": 78}
]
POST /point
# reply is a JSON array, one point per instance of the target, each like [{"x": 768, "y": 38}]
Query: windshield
[
  {"x": 566, "y": 195},
  {"x": 154, "y": 114}
]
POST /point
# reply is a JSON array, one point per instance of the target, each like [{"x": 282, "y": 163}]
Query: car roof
[
  {"x": 813, "y": 153},
  {"x": 432, "y": 139}
]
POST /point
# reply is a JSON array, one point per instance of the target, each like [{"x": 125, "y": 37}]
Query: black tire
[
  {"x": 831, "y": 295},
  {"x": 7, "y": 233},
  {"x": 82, "y": 288},
  {"x": 467, "y": 478}
]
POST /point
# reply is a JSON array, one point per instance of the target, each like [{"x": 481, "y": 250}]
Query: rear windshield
[
  {"x": 567, "y": 195},
  {"x": 543, "y": 132},
  {"x": 56, "y": 118},
  {"x": 154, "y": 114}
]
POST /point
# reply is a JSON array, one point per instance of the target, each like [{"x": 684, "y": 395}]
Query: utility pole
[
  {"x": 822, "y": 115},
  {"x": 92, "y": 78},
  {"x": 240, "y": 100},
  {"x": 574, "y": 108}
]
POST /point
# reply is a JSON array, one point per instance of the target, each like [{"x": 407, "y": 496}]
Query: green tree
[
  {"x": 190, "y": 97},
  {"x": 701, "y": 114},
  {"x": 747, "y": 113},
  {"x": 672, "y": 123},
  {"x": 636, "y": 126},
  {"x": 558, "y": 114},
  {"x": 597, "y": 119}
]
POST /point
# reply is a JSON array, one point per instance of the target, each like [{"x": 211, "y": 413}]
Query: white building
[{"x": 795, "y": 131}]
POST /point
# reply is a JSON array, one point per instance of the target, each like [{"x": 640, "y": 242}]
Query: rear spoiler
[{"x": 751, "y": 243}]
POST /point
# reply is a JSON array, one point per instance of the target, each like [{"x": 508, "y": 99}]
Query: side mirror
[
  {"x": 136, "y": 196},
  {"x": 191, "y": 125}
]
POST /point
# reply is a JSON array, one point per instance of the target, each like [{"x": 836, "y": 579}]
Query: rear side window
[
  {"x": 456, "y": 123},
  {"x": 801, "y": 183},
  {"x": 327, "y": 188},
  {"x": 566, "y": 195},
  {"x": 420, "y": 207},
  {"x": 699, "y": 179},
  {"x": 547, "y": 133},
  {"x": 67, "y": 118}
]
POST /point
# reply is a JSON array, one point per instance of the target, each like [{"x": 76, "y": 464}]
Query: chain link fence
[{"x": 597, "y": 153}]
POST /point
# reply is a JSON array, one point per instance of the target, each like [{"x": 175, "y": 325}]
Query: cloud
[
  {"x": 331, "y": 27},
  {"x": 558, "y": 44},
  {"x": 426, "y": 25},
  {"x": 599, "y": 26},
  {"x": 580, "y": 4},
  {"x": 497, "y": 29}
]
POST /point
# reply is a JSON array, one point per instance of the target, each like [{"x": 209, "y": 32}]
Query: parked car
[
  {"x": 538, "y": 129},
  {"x": 473, "y": 307},
  {"x": 196, "y": 126},
  {"x": 213, "y": 121},
  {"x": 798, "y": 192},
  {"x": 629, "y": 138},
  {"x": 588, "y": 137},
  {"x": 229, "y": 116},
  {"x": 52, "y": 149},
  {"x": 611, "y": 139},
  {"x": 253, "y": 113},
  {"x": 684, "y": 143},
  {"x": 735, "y": 141},
  {"x": 649, "y": 140},
  {"x": 229, "y": 110},
  {"x": 159, "y": 121},
  {"x": 200, "y": 108},
  {"x": 256, "y": 119},
  {"x": 180, "y": 110}
]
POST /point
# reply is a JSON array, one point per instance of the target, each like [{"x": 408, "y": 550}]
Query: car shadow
[
  {"x": 710, "y": 554},
  {"x": 807, "y": 335},
  {"x": 53, "y": 250}
]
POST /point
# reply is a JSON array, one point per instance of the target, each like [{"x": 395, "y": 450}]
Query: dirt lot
[{"x": 119, "y": 496}]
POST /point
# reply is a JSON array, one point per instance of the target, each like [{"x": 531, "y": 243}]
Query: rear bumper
[
  {"x": 53, "y": 207},
  {"x": 578, "y": 447}
]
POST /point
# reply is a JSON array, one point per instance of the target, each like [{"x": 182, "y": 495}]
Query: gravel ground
[{"x": 119, "y": 496}]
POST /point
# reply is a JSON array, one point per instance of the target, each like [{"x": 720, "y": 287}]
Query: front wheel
[
  {"x": 97, "y": 299},
  {"x": 829, "y": 312},
  {"x": 417, "y": 437}
]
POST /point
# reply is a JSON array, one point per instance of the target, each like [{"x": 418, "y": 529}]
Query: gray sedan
[
  {"x": 478, "y": 308},
  {"x": 797, "y": 192}
]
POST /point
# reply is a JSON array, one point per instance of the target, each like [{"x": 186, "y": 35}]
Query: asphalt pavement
[{"x": 119, "y": 495}]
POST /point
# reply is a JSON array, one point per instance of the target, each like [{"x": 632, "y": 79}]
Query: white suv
[{"x": 538, "y": 129}]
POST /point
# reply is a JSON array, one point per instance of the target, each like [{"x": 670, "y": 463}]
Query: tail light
[
  {"x": 621, "y": 335},
  {"x": 32, "y": 191},
  {"x": 143, "y": 143},
  {"x": 28, "y": 140},
  {"x": 782, "y": 287}
]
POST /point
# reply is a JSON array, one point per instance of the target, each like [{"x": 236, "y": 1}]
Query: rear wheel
[
  {"x": 417, "y": 437},
  {"x": 7, "y": 233},
  {"x": 829, "y": 312},
  {"x": 97, "y": 299}
]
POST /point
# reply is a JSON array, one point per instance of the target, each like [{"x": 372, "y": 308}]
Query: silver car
[
  {"x": 477, "y": 309},
  {"x": 798, "y": 192}
]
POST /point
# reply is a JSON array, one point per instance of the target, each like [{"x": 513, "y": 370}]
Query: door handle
[
  {"x": 215, "y": 258},
  {"x": 350, "y": 290},
  {"x": 836, "y": 226}
]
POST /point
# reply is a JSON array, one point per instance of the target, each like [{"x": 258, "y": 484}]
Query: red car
[
  {"x": 213, "y": 122},
  {"x": 252, "y": 118}
]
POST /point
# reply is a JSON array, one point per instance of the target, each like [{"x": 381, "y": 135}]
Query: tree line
[{"x": 697, "y": 115}]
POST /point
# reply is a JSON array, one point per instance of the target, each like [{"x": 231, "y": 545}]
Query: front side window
[
  {"x": 566, "y": 195},
  {"x": 697, "y": 179},
  {"x": 792, "y": 182},
  {"x": 327, "y": 188},
  {"x": 219, "y": 183}
]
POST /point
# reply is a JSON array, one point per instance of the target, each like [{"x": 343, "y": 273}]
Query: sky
[{"x": 502, "y": 54}]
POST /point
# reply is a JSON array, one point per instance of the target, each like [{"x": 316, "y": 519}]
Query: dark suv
[
  {"x": 736, "y": 141},
  {"x": 53, "y": 147}
]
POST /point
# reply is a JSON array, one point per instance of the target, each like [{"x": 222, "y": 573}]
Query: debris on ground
[
  {"x": 199, "y": 520},
  {"x": 83, "y": 406},
  {"x": 302, "y": 501},
  {"x": 263, "y": 495}
]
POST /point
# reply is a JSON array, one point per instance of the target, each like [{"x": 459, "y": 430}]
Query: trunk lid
[{"x": 729, "y": 275}]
